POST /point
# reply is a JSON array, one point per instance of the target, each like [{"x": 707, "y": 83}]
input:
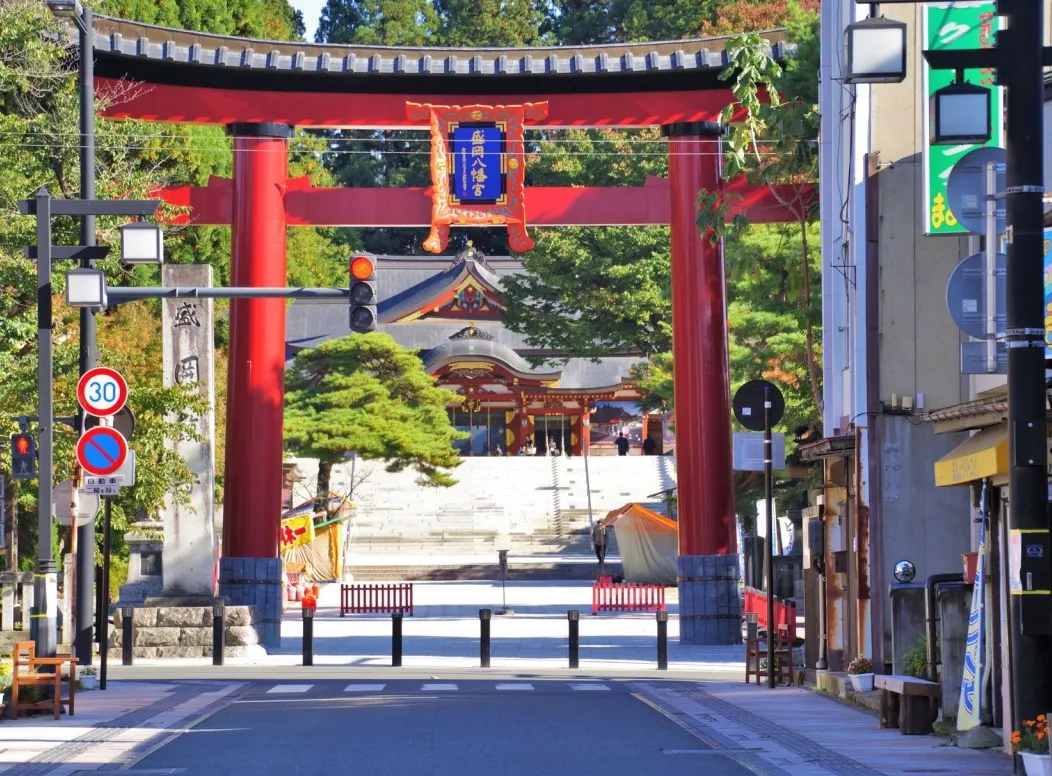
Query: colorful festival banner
[
  {"x": 947, "y": 27},
  {"x": 1048, "y": 294},
  {"x": 296, "y": 531},
  {"x": 969, "y": 709},
  {"x": 478, "y": 168}
]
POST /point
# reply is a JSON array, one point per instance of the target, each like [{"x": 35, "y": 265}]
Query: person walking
[{"x": 622, "y": 443}]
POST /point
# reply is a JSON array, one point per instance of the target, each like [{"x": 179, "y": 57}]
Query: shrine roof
[
  {"x": 164, "y": 55},
  {"x": 407, "y": 285}
]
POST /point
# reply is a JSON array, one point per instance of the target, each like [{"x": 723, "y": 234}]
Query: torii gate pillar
[
  {"x": 250, "y": 569},
  {"x": 709, "y": 603}
]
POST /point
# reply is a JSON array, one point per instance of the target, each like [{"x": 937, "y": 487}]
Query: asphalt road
[{"x": 409, "y": 727}]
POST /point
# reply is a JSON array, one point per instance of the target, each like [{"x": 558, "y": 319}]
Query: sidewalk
[
  {"x": 791, "y": 731},
  {"x": 112, "y": 728}
]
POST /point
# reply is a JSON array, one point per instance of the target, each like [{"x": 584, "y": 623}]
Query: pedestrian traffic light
[
  {"x": 23, "y": 457},
  {"x": 363, "y": 293}
]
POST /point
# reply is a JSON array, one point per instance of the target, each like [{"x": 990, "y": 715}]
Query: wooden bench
[
  {"x": 756, "y": 650},
  {"x": 907, "y": 703},
  {"x": 27, "y": 673}
]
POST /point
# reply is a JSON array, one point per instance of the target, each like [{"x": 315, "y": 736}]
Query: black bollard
[
  {"x": 484, "y": 620},
  {"x": 218, "y": 633},
  {"x": 574, "y": 617},
  {"x": 308, "y": 635},
  {"x": 396, "y": 638},
  {"x": 662, "y": 640},
  {"x": 127, "y": 635}
]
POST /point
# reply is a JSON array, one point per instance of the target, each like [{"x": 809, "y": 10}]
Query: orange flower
[
  {"x": 1040, "y": 736},
  {"x": 1015, "y": 737},
  {"x": 1040, "y": 717},
  {"x": 1029, "y": 723}
]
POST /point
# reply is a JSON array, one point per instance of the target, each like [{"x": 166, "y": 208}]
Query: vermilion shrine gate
[{"x": 261, "y": 90}]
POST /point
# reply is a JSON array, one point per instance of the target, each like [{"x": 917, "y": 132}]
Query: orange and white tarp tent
[{"x": 648, "y": 543}]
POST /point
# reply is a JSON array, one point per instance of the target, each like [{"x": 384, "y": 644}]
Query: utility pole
[
  {"x": 42, "y": 621},
  {"x": 84, "y": 572},
  {"x": 1020, "y": 55}
]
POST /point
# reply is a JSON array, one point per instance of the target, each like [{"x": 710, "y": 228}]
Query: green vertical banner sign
[{"x": 948, "y": 27}]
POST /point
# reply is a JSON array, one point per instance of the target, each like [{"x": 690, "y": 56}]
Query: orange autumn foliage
[{"x": 753, "y": 16}]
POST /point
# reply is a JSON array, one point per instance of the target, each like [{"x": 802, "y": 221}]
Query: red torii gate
[{"x": 260, "y": 97}]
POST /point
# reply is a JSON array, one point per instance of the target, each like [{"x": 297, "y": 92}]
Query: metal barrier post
[
  {"x": 127, "y": 635},
  {"x": 574, "y": 616},
  {"x": 308, "y": 635},
  {"x": 662, "y": 640},
  {"x": 218, "y": 633},
  {"x": 396, "y": 638},
  {"x": 484, "y": 621}
]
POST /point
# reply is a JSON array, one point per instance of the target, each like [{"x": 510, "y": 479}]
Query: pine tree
[{"x": 367, "y": 394}]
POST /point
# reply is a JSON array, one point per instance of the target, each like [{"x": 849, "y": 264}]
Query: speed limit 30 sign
[{"x": 102, "y": 391}]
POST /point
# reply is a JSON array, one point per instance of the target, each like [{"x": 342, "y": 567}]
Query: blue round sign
[{"x": 102, "y": 450}]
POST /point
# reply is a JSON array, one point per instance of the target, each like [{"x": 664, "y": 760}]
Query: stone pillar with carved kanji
[{"x": 189, "y": 551}]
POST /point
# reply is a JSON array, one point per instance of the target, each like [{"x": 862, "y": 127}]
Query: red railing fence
[
  {"x": 627, "y": 598},
  {"x": 784, "y": 611}
]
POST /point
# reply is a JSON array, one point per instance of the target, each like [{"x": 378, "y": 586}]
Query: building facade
[{"x": 512, "y": 400}]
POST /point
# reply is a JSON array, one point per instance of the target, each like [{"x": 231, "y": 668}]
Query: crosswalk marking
[
  {"x": 438, "y": 687},
  {"x": 364, "y": 688},
  {"x": 514, "y": 686},
  {"x": 590, "y": 686},
  {"x": 290, "y": 688}
]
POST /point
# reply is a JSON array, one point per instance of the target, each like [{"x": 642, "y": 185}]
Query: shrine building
[{"x": 448, "y": 310}]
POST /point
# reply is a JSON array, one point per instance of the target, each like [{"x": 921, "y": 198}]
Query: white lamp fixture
[
  {"x": 142, "y": 243},
  {"x": 86, "y": 288},
  {"x": 876, "y": 52},
  {"x": 960, "y": 113},
  {"x": 65, "y": 8}
]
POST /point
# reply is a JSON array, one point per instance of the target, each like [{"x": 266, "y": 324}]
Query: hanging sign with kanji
[
  {"x": 296, "y": 531},
  {"x": 478, "y": 167}
]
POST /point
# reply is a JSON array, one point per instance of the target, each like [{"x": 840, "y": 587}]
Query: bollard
[
  {"x": 127, "y": 635},
  {"x": 396, "y": 638},
  {"x": 574, "y": 616},
  {"x": 308, "y": 635},
  {"x": 218, "y": 633},
  {"x": 484, "y": 620},
  {"x": 662, "y": 640}
]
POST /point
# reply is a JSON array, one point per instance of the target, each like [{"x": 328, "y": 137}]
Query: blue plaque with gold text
[{"x": 477, "y": 172}]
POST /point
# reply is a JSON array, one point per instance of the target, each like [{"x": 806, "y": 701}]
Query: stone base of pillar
[
  {"x": 255, "y": 582},
  {"x": 710, "y": 608}
]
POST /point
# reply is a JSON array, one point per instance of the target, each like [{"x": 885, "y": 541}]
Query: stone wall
[{"x": 186, "y": 632}]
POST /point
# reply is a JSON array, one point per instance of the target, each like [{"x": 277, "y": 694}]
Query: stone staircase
[{"x": 535, "y": 508}]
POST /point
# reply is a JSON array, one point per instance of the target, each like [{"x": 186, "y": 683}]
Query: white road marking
[
  {"x": 289, "y": 688},
  {"x": 364, "y": 688},
  {"x": 438, "y": 687},
  {"x": 589, "y": 687},
  {"x": 514, "y": 686}
]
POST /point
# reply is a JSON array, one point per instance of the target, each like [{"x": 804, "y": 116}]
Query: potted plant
[
  {"x": 89, "y": 678},
  {"x": 1031, "y": 742},
  {"x": 860, "y": 672}
]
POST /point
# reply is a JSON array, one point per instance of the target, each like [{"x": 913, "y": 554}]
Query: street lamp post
[
  {"x": 1018, "y": 57},
  {"x": 85, "y": 568},
  {"x": 43, "y": 620}
]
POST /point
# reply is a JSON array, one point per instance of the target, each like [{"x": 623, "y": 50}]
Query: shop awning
[{"x": 982, "y": 455}]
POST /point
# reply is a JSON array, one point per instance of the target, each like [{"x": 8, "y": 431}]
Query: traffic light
[
  {"x": 23, "y": 457},
  {"x": 363, "y": 293}
]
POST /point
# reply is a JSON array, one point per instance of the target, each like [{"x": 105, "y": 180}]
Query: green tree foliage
[
  {"x": 38, "y": 147},
  {"x": 472, "y": 23},
  {"x": 377, "y": 22},
  {"x": 367, "y": 394}
]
